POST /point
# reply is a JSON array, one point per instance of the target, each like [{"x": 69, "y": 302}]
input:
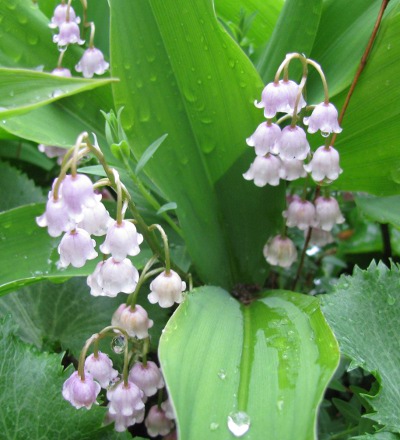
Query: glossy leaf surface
[{"x": 271, "y": 359}]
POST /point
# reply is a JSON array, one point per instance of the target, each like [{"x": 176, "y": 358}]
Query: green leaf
[
  {"x": 381, "y": 209},
  {"x": 189, "y": 64},
  {"x": 25, "y": 152},
  {"x": 148, "y": 153},
  {"x": 16, "y": 188},
  {"x": 24, "y": 90},
  {"x": 31, "y": 404},
  {"x": 364, "y": 312},
  {"x": 378, "y": 436},
  {"x": 64, "y": 315},
  {"x": 295, "y": 31},
  {"x": 28, "y": 254},
  {"x": 348, "y": 410},
  {"x": 167, "y": 207},
  {"x": 271, "y": 359},
  {"x": 368, "y": 145}
]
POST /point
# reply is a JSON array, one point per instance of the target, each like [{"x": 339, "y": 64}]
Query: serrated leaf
[
  {"x": 148, "y": 153},
  {"x": 364, "y": 312},
  {"x": 17, "y": 188},
  {"x": 167, "y": 207},
  {"x": 31, "y": 404},
  {"x": 378, "y": 436},
  {"x": 271, "y": 359},
  {"x": 24, "y": 90}
]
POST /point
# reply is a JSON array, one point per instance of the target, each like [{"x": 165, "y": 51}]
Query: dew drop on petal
[
  {"x": 118, "y": 344},
  {"x": 238, "y": 423},
  {"x": 325, "y": 134}
]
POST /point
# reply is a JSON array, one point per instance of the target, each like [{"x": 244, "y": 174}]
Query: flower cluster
[
  {"x": 74, "y": 209},
  {"x": 283, "y": 153},
  {"x": 65, "y": 20}
]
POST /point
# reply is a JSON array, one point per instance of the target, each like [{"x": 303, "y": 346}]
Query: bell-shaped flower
[
  {"x": 134, "y": 320},
  {"x": 69, "y": 34},
  {"x": 300, "y": 213},
  {"x": 157, "y": 423},
  {"x": 64, "y": 72},
  {"x": 122, "y": 422},
  {"x": 60, "y": 16},
  {"x": 168, "y": 409},
  {"x": 55, "y": 217},
  {"x": 75, "y": 248},
  {"x": 125, "y": 399},
  {"x": 280, "y": 251},
  {"x": 264, "y": 138},
  {"x": 292, "y": 91},
  {"x": 327, "y": 213},
  {"x": 52, "y": 152},
  {"x": 273, "y": 99},
  {"x": 92, "y": 62},
  {"x": 100, "y": 366},
  {"x": 96, "y": 219},
  {"x": 166, "y": 289},
  {"x": 319, "y": 237},
  {"x": 77, "y": 191},
  {"x": 264, "y": 170},
  {"x": 293, "y": 144},
  {"x": 122, "y": 239},
  {"x": 112, "y": 277},
  {"x": 81, "y": 392},
  {"x": 324, "y": 165},
  {"x": 147, "y": 377},
  {"x": 292, "y": 169},
  {"x": 325, "y": 118}
]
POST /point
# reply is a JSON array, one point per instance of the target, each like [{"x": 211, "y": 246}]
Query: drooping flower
[
  {"x": 300, "y": 213},
  {"x": 147, "y": 377},
  {"x": 60, "y": 16},
  {"x": 280, "y": 251},
  {"x": 81, "y": 392},
  {"x": 264, "y": 138},
  {"x": 55, "y": 217},
  {"x": 324, "y": 164},
  {"x": 264, "y": 170},
  {"x": 293, "y": 144},
  {"x": 52, "y": 152},
  {"x": 319, "y": 237},
  {"x": 122, "y": 422},
  {"x": 328, "y": 213},
  {"x": 135, "y": 321},
  {"x": 292, "y": 90},
  {"x": 324, "y": 118},
  {"x": 168, "y": 409},
  {"x": 166, "y": 289},
  {"x": 62, "y": 71},
  {"x": 157, "y": 423},
  {"x": 92, "y": 62},
  {"x": 122, "y": 239},
  {"x": 112, "y": 277},
  {"x": 101, "y": 368},
  {"x": 69, "y": 34},
  {"x": 96, "y": 219},
  {"x": 292, "y": 169},
  {"x": 75, "y": 248}
]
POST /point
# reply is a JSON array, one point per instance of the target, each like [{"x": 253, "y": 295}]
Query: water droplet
[
  {"x": 56, "y": 93},
  {"x": 238, "y": 423},
  {"x": 389, "y": 46},
  {"x": 127, "y": 66},
  {"x": 189, "y": 95},
  {"x": 324, "y": 134},
  {"x": 208, "y": 77},
  {"x": 153, "y": 78},
  {"x": 214, "y": 426},
  {"x": 199, "y": 81},
  {"x": 34, "y": 39},
  {"x": 222, "y": 374},
  {"x": 22, "y": 19},
  {"x": 11, "y": 5},
  {"x": 118, "y": 344},
  {"x": 206, "y": 121},
  {"x": 150, "y": 58},
  {"x": 391, "y": 300},
  {"x": 232, "y": 63}
]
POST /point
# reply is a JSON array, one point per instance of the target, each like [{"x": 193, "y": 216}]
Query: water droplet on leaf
[
  {"x": 214, "y": 426},
  {"x": 222, "y": 374},
  {"x": 238, "y": 423},
  {"x": 118, "y": 344}
]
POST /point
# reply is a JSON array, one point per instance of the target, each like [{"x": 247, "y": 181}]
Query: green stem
[
  {"x": 166, "y": 247},
  {"x": 245, "y": 363},
  {"x": 146, "y": 346},
  {"x": 317, "y": 67}
]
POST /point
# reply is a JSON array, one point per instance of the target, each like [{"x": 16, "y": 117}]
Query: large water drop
[
  {"x": 238, "y": 423},
  {"x": 118, "y": 344}
]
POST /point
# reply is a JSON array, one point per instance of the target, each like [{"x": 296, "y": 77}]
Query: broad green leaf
[
  {"x": 17, "y": 188},
  {"x": 167, "y": 207},
  {"x": 28, "y": 254},
  {"x": 26, "y": 152},
  {"x": 24, "y": 90},
  {"x": 364, "y": 312},
  {"x": 31, "y": 404},
  {"x": 378, "y": 436},
  {"x": 271, "y": 359},
  {"x": 295, "y": 31},
  {"x": 381, "y": 209},
  {"x": 148, "y": 153},
  {"x": 64, "y": 315},
  {"x": 181, "y": 74},
  {"x": 368, "y": 145}
]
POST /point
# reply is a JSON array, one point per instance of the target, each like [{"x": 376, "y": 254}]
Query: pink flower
[
  {"x": 328, "y": 213},
  {"x": 81, "y": 392},
  {"x": 280, "y": 251},
  {"x": 166, "y": 289},
  {"x": 325, "y": 118},
  {"x": 293, "y": 143},
  {"x": 55, "y": 217},
  {"x": 157, "y": 423},
  {"x": 292, "y": 169},
  {"x": 69, "y": 34},
  {"x": 62, "y": 71},
  {"x": 134, "y": 321},
  {"x": 92, "y": 62},
  {"x": 264, "y": 170},
  {"x": 60, "y": 16},
  {"x": 300, "y": 213},
  {"x": 324, "y": 165},
  {"x": 112, "y": 277},
  {"x": 147, "y": 377},
  {"x": 100, "y": 367},
  {"x": 75, "y": 248},
  {"x": 168, "y": 409},
  {"x": 264, "y": 138},
  {"x": 319, "y": 237},
  {"x": 122, "y": 240},
  {"x": 96, "y": 219}
]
